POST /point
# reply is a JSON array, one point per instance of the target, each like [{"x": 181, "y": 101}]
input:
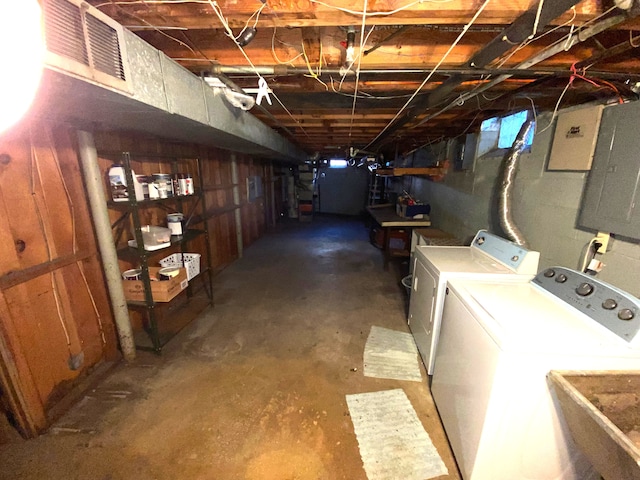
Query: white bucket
[
  {"x": 407, "y": 283},
  {"x": 174, "y": 222}
]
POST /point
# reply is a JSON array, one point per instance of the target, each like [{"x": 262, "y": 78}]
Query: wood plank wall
[
  {"x": 54, "y": 308},
  {"x": 53, "y": 300}
]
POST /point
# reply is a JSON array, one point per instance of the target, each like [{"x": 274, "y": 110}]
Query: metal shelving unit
[{"x": 153, "y": 340}]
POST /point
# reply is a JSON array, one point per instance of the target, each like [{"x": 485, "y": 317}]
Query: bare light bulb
[{"x": 22, "y": 52}]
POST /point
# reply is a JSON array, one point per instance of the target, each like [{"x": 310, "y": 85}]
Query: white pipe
[{"x": 96, "y": 195}]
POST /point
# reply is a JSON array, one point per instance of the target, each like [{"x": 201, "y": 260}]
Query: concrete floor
[{"x": 255, "y": 387}]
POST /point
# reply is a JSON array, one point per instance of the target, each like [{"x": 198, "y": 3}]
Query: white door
[{"x": 421, "y": 310}]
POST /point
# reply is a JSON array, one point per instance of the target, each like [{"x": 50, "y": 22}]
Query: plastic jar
[
  {"x": 174, "y": 222},
  {"x": 164, "y": 185}
]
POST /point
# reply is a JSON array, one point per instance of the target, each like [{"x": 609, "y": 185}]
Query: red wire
[{"x": 602, "y": 84}]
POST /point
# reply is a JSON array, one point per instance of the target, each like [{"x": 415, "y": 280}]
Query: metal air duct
[{"x": 506, "y": 188}]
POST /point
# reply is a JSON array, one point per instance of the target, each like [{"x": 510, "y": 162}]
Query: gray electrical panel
[{"x": 613, "y": 187}]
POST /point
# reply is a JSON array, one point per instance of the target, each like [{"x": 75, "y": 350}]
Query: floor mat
[
  {"x": 393, "y": 443},
  {"x": 391, "y": 354}
]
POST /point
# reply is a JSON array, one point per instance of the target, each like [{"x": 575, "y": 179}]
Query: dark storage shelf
[
  {"x": 147, "y": 202},
  {"x": 417, "y": 171},
  {"x": 171, "y": 318},
  {"x": 191, "y": 234},
  {"x": 162, "y": 320}
]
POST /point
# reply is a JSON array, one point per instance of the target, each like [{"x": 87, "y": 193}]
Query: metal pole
[{"x": 95, "y": 192}]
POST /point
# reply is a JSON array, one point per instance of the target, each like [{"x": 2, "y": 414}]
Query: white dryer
[
  {"x": 498, "y": 342},
  {"x": 487, "y": 256}
]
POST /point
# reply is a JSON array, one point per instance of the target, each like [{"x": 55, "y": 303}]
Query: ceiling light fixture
[{"x": 18, "y": 85}]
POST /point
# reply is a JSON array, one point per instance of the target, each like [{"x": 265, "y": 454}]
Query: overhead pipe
[
  {"x": 506, "y": 188},
  {"x": 517, "y": 32},
  {"x": 576, "y": 38},
  {"x": 285, "y": 70},
  {"x": 95, "y": 192}
]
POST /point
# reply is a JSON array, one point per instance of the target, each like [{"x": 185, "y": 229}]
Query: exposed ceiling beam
[
  {"x": 577, "y": 37},
  {"x": 516, "y": 33},
  {"x": 314, "y": 13},
  {"x": 285, "y": 70}
]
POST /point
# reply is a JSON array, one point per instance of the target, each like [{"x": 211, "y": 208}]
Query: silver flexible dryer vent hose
[{"x": 506, "y": 189}]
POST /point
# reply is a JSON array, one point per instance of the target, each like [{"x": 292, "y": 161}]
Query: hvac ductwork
[
  {"x": 506, "y": 188},
  {"x": 99, "y": 73}
]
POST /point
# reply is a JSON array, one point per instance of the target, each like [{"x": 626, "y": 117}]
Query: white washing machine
[
  {"x": 497, "y": 344},
  {"x": 487, "y": 256}
]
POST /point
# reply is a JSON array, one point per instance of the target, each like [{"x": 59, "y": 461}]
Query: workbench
[{"x": 386, "y": 218}]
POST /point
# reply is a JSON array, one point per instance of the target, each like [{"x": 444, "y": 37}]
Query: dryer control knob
[
  {"x": 584, "y": 289},
  {"x": 626, "y": 314},
  {"x": 549, "y": 273},
  {"x": 561, "y": 278},
  {"x": 609, "y": 304}
]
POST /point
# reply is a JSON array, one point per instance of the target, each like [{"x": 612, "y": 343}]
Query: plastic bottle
[{"x": 118, "y": 184}]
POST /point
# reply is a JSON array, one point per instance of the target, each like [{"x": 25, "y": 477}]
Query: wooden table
[{"x": 386, "y": 218}]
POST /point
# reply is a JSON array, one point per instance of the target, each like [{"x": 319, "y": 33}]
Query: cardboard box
[{"x": 162, "y": 290}]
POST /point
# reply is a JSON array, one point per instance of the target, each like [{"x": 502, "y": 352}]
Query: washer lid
[
  {"x": 459, "y": 260},
  {"x": 522, "y": 318}
]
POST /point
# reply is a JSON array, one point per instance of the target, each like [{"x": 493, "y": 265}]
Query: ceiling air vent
[{"x": 84, "y": 42}]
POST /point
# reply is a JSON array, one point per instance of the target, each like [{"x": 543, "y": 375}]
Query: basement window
[
  {"x": 337, "y": 163},
  {"x": 497, "y": 134},
  {"x": 510, "y": 127}
]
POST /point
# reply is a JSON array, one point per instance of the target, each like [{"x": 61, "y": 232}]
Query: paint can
[
  {"x": 133, "y": 274},
  {"x": 163, "y": 184},
  {"x": 167, "y": 273},
  {"x": 174, "y": 222},
  {"x": 185, "y": 183}
]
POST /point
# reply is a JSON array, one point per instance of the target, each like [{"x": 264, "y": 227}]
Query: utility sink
[{"x": 602, "y": 410}]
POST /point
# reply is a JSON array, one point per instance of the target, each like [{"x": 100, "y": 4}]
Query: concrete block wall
[{"x": 545, "y": 208}]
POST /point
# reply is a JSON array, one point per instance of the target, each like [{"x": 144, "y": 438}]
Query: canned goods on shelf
[
  {"x": 183, "y": 184},
  {"x": 133, "y": 274},
  {"x": 163, "y": 185},
  {"x": 167, "y": 273}
]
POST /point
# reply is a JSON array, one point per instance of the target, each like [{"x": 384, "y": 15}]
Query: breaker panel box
[
  {"x": 611, "y": 200},
  {"x": 574, "y": 141}
]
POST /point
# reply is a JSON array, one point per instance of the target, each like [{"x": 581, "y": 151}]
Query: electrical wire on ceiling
[
  {"x": 355, "y": 89},
  {"x": 225, "y": 24},
  {"x": 368, "y": 96},
  {"x": 315, "y": 75},
  {"x": 575, "y": 75},
  {"x": 536, "y": 22},
  {"x": 228, "y": 32},
  {"x": 534, "y": 38},
  {"x": 378, "y": 14},
  {"x": 275, "y": 55},
  {"x": 568, "y": 38},
  {"x": 433, "y": 71}
]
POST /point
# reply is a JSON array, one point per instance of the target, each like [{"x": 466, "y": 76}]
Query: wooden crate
[{"x": 162, "y": 291}]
